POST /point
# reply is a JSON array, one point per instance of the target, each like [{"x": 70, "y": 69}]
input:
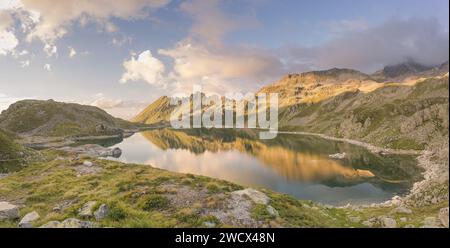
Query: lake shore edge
[{"x": 431, "y": 172}]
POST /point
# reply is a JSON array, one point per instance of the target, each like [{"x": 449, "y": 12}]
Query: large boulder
[
  {"x": 116, "y": 152},
  {"x": 75, "y": 223},
  {"x": 272, "y": 211},
  {"x": 402, "y": 210},
  {"x": 8, "y": 211},
  {"x": 28, "y": 219},
  {"x": 443, "y": 216},
  {"x": 87, "y": 210},
  {"x": 101, "y": 212},
  {"x": 387, "y": 222},
  {"x": 69, "y": 223},
  {"x": 430, "y": 222}
]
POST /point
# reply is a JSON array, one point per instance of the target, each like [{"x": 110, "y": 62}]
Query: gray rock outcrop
[
  {"x": 8, "y": 211},
  {"x": 28, "y": 219}
]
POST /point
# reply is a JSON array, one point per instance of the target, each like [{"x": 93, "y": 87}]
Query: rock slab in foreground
[
  {"x": 86, "y": 210},
  {"x": 69, "y": 223},
  {"x": 443, "y": 216},
  {"x": 255, "y": 195},
  {"x": 387, "y": 222},
  {"x": 101, "y": 212},
  {"x": 27, "y": 220},
  {"x": 8, "y": 211}
]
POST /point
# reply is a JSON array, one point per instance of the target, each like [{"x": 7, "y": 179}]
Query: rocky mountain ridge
[{"x": 56, "y": 119}]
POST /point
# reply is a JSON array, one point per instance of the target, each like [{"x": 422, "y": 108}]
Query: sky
[{"x": 122, "y": 55}]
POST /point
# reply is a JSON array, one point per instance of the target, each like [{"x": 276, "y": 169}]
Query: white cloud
[
  {"x": 47, "y": 67},
  {"x": 16, "y": 54},
  {"x": 25, "y": 63},
  {"x": 56, "y": 17},
  {"x": 341, "y": 26},
  {"x": 116, "y": 107},
  {"x": 203, "y": 58},
  {"x": 106, "y": 103},
  {"x": 50, "y": 50},
  {"x": 370, "y": 48},
  {"x": 8, "y": 42},
  {"x": 72, "y": 52},
  {"x": 5, "y": 20},
  {"x": 195, "y": 63},
  {"x": 210, "y": 23},
  {"x": 120, "y": 41},
  {"x": 10, "y": 4},
  {"x": 145, "y": 67}
]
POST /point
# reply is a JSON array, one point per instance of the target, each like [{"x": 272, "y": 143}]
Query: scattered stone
[
  {"x": 443, "y": 216},
  {"x": 86, "y": 210},
  {"x": 234, "y": 210},
  {"x": 272, "y": 211},
  {"x": 402, "y": 210},
  {"x": 85, "y": 170},
  {"x": 367, "y": 223},
  {"x": 8, "y": 211},
  {"x": 403, "y": 219},
  {"x": 430, "y": 222},
  {"x": 209, "y": 224},
  {"x": 101, "y": 212},
  {"x": 409, "y": 226},
  {"x": 337, "y": 155},
  {"x": 51, "y": 224},
  {"x": 387, "y": 222},
  {"x": 63, "y": 205},
  {"x": 75, "y": 223},
  {"x": 116, "y": 152},
  {"x": 27, "y": 220},
  {"x": 69, "y": 223},
  {"x": 255, "y": 195},
  {"x": 354, "y": 219},
  {"x": 396, "y": 200},
  {"x": 91, "y": 150},
  {"x": 88, "y": 163}
]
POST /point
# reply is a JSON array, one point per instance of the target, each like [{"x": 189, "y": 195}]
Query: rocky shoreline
[{"x": 434, "y": 172}]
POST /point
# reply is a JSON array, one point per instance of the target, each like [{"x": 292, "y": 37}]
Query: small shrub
[
  {"x": 212, "y": 188},
  {"x": 117, "y": 213},
  {"x": 155, "y": 202}
]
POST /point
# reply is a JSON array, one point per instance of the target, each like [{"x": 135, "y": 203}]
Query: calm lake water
[{"x": 294, "y": 164}]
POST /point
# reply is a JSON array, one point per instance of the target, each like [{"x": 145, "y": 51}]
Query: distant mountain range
[{"x": 401, "y": 106}]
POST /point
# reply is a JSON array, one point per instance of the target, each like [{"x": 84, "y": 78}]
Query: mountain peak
[{"x": 407, "y": 67}]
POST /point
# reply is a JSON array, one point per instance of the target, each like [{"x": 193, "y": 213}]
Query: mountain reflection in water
[{"x": 294, "y": 164}]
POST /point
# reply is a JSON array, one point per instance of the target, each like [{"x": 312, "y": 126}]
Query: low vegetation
[{"x": 142, "y": 196}]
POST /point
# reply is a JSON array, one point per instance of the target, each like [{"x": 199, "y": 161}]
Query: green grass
[
  {"x": 137, "y": 197},
  {"x": 8, "y": 148},
  {"x": 407, "y": 143},
  {"x": 154, "y": 202}
]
